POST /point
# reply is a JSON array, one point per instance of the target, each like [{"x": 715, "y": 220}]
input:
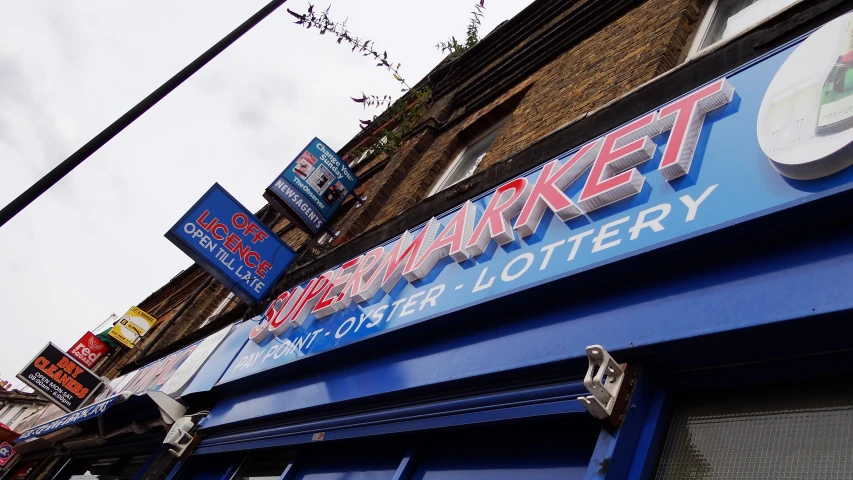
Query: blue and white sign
[
  {"x": 232, "y": 245},
  {"x": 315, "y": 184},
  {"x": 80, "y": 415},
  {"x": 742, "y": 146}
]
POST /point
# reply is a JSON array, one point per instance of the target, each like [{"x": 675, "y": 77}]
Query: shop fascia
[{"x": 613, "y": 177}]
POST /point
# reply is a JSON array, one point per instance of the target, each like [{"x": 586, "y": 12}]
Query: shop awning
[{"x": 114, "y": 415}]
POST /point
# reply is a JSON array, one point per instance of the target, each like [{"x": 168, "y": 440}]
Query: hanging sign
[
  {"x": 132, "y": 326},
  {"x": 312, "y": 186},
  {"x": 170, "y": 374},
  {"x": 6, "y": 453},
  {"x": 89, "y": 350},
  {"x": 232, "y": 245},
  {"x": 58, "y": 377},
  {"x": 772, "y": 135}
]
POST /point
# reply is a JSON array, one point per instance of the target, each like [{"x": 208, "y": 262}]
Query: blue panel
[
  {"x": 810, "y": 280},
  {"x": 231, "y": 244},
  {"x": 213, "y": 367},
  {"x": 556, "y": 400},
  {"x": 315, "y": 184},
  {"x": 535, "y": 451},
  {"x": 355, "y": 471}
]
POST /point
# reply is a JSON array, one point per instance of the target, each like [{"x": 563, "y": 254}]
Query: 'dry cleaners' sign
[{"x": 232, "y": 245}]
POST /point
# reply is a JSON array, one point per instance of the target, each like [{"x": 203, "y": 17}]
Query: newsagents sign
[
  {"x": 312, "y": 186},
  {"x": 768, "y": 136},
  {"x": 231, "y": 244}
]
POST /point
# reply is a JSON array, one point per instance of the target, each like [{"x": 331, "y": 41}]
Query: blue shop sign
[
  {"x": 231, "y": 244},
  {"x": 769, "y": 136},
  {"x": 315, "y": 184},
  {"x": 80, "y": 415}
]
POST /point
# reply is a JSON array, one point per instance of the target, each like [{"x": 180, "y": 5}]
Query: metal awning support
[{"x": 603, "y": 380}]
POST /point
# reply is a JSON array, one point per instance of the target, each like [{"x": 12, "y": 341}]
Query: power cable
[{"x": 60, "y": 171}]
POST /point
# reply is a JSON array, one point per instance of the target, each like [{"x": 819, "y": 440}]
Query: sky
[{"x": 93, "y": 245}]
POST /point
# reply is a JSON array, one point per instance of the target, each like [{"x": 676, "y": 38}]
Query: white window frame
[
  {"x": 705, "y": 24},
  {"x": 439, "y": 184}
]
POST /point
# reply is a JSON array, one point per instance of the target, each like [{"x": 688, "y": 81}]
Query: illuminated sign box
[
  {"x": 312, "y": 187},
  {"x": 56, "y": 376},
  {"x": 233, "y": 245}
]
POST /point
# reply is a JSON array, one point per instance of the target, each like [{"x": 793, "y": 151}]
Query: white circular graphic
[{"x": 806, "y": 116}]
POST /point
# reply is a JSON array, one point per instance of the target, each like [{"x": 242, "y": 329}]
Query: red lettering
[
  {"x": 239, "y": 220},
  {"x": 252, "y": 255},
  {"x": 309, "y": 299},
  {"x": 548, "y": 191},
  {"x": 63, "y": 362},
  {"x": 450, "y": 242},
  {"x": 685, "y": 118},
  {"x": 331, "y": 301},
  {"x": 278, "y": 323},
  {"x": 232, "y": 243},
  {"x": 613, "y": 176},
  {"x": 403, "y": 254},
  {"x": 207, "y": 225},
  {"x": 219, "y": 227},
  {"x": 494, "y": 225},
  {"x": 263, "y": 268},
  {"x": 358, "y": 287}
]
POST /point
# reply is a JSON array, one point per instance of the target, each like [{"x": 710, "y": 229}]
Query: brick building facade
[
  {"x": 548, "y": 80},
  {"x": 553, "y": 76}
]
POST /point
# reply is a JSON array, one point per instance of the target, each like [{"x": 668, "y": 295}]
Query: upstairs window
[
  {"x": 468, "y": 160},
  {"x": 727, "y": 18}
]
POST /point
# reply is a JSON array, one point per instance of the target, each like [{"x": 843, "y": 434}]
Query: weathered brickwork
[{"x": 626, "y": 54}]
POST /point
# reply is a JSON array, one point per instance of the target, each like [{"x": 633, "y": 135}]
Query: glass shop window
[
  {"x": 468, "y": 160},
  {"x": 778, "y": 434},
  {"x": 727, "y": 18}
]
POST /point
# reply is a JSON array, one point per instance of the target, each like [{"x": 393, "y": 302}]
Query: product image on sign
[
  {"x": 805, "y": 123},
  {"x": 313, "y": 186}
]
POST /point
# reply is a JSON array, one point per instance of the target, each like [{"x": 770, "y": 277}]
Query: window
[
  {"x": 17, "y": 415},
  {"x": 468, "y": 160},
  {"x": 727, "y": 18}
]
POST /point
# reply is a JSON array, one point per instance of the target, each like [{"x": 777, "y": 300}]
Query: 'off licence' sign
[{"x": 231, "y": 244}]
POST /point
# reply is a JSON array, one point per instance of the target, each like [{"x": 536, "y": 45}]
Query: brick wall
[{"x": 639, "y": 46}]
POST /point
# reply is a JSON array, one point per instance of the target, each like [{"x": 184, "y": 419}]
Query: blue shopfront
[{"x": 707, "y": 246}]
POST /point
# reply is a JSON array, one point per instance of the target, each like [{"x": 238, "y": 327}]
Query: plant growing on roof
[
  {"x": 472, "y": 36},
  {"x": 400, "y": 116}
]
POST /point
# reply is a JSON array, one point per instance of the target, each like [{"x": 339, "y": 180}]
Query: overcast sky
[{"x": 94, "y": 244}]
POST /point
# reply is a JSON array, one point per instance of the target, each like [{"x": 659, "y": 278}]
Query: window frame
[
  {"x": 705, "y": 24},
  {"x": 439, "y": 184}
]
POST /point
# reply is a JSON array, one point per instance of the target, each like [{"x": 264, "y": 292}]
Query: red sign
[
  {"x": 6, "y": 453},
  {"x": 88, "y": 350}
]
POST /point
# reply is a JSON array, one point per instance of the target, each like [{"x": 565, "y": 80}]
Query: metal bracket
[{"x": 603, "y": 380}]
